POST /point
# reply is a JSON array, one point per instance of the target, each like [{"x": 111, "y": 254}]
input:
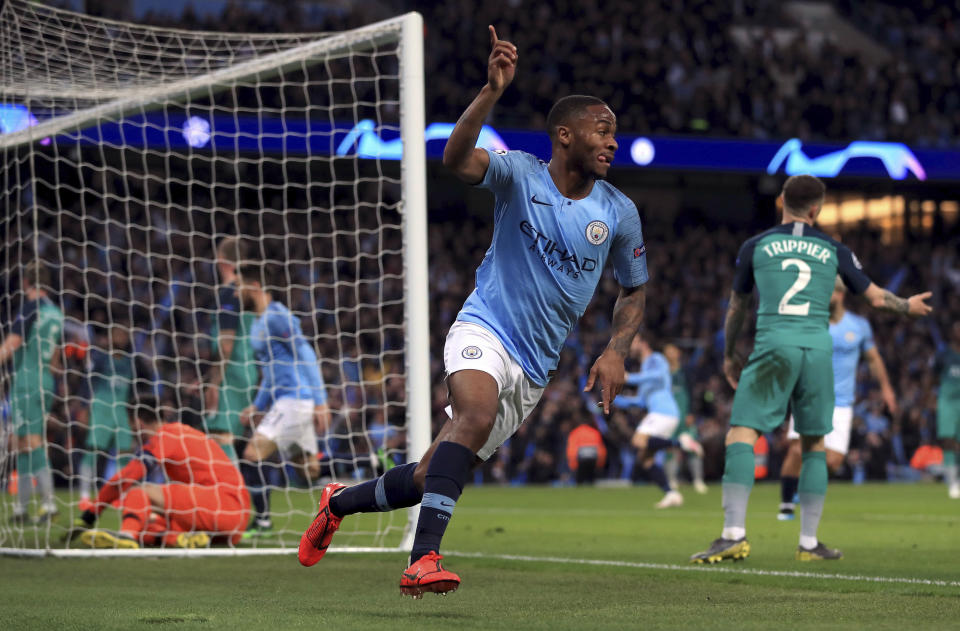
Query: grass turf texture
[{"x": 884, "y": 530}]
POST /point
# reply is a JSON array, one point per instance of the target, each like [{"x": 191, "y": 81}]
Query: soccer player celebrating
[
  {"x": 33, "y": 343},
  {"x": 948, "y": 409},
  {"x": 793, "y": 267},
  {"x": 655, "y": 432},
  {"x": 555, "y": 226},
  {"x": 205, "y": 494},
  {"x": 233, "y": 376},
  {"x": 291, "y": 387},
  {"x": 850, "y": 335}
]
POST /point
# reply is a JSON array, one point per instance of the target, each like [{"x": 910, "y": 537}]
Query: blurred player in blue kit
[
  {"x": 555, "y": 226},
  {"x": 291, "y": 404}
]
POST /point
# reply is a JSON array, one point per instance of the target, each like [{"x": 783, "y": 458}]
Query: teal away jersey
[
  {"x": 39, "y": 325},
  {"x": 794, "y": 266}
]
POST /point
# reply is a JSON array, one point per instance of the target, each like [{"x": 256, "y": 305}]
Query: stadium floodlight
[{"x": 129, "y": 234}]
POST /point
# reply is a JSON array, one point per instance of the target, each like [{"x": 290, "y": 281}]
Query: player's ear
[{"x": 563, "y": 135}]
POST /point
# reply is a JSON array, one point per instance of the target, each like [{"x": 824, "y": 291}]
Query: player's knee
[
  {"x": 639, "y": 441},
  {"x": 250, "y": 453}
]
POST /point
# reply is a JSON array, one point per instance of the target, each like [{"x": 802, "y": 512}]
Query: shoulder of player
[
  {"x": 623, "y": 204},
  {"x": 520, "y": 159}
]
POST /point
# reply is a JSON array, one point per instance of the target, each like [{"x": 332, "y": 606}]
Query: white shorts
[
  {"x": 659, "y": 425},
  {"x": 838, "y": 439},
  {"x": 289, "y": 423},
  {"x": 471, "y": 347}
]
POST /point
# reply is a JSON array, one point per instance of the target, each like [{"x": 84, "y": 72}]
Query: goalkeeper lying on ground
[{"x": 206, "y": 496}]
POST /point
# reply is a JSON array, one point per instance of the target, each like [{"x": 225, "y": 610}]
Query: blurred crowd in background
[{"x": 747, "y": 68}]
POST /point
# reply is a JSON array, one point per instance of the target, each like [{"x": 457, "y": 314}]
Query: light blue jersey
[
  {"x": 654, "y": 387},
  {"x": 288, "y": 363},
  {"x": 852, "y": 335},
  {"x": 546, "y": 259}
]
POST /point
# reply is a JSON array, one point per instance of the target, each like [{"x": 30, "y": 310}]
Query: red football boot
[
  {"x": 427, "y": 575},
  {"x": 316, "y": 540}
]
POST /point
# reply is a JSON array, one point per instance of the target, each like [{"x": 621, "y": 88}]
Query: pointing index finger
[{"x": 493, "y": 35}]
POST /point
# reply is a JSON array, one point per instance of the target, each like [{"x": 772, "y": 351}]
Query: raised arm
[
  {"x": 627, "y": 318},
  {"x": 732, "y": 326},
  {"x": 461, "y": 154},
  {"x": 885, "y": 300}
]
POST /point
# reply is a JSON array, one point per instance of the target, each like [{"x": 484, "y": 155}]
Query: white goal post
[{"x": 129, "y": 153}]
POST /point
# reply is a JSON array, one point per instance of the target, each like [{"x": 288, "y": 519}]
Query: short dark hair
[
  {"x": 568, "y": 108},
  {"x": 263, "y": 272},
  {"x": 146, "y": 408},
  {"x": 36, "y": 273},
  {"x": 800, "y": 191}
]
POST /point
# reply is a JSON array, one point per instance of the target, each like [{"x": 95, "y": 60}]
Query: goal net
[{"x": 130, "y": 155}]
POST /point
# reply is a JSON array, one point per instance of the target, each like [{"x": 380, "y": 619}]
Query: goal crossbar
[{"x": 329, "y": 47}]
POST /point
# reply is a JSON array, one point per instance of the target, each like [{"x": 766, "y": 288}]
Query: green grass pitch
[{"x": 521, "y": 553}]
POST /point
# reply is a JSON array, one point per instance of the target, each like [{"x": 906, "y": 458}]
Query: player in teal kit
[
  {"x": 232, "y": 381},
  {"x": 556, "y": 225},
  {"x": 111, "y": 374},
  {"x": 851, "y": 335},
  {"x": 793, "y": 267},
  {"x": 33, "y": 343},
  {"x": 948, "y": 409}
]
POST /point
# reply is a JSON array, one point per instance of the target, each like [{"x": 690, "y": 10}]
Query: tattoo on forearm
[
  {"x": 736, "y": 315},
  {"x": 892, "y": 302},
  {"x": 627, "y": 318}
]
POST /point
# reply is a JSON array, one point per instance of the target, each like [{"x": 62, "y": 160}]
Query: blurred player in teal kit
[
  {"x": 33, "y": 343},
  {"x": 948, "y": 409},
  {"x": 851, "y": 335},
  {"x": 232, "y": 380},
  {"x": 555, "y": 226}
]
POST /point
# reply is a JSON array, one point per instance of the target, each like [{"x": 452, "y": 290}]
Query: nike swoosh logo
[
  {"x": 536, "y": 201},
  {"x": 412, "y": 577},
  {"x": 447, "y": 504}
]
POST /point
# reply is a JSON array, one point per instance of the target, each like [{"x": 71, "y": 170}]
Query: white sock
[
  {"x": 734, "y": 533},
  {"x": 808, "y": 543}
]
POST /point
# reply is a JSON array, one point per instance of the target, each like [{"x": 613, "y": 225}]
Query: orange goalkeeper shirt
[{"x": 186, "y": 455}]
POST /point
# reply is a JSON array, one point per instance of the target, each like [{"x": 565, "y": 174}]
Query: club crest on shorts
[
  {"x": 471, "y": 352},
  {"x": 597, "y": 232}
]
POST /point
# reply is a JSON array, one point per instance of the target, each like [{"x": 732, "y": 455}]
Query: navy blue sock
[
  {"x": 253, "y": 476},
  {"x": 656, "y": 475},
  {"x": 449, "y": 469},
  {"x": 392, "y": 490},
  {"x": 655, "y": 444},
  {"x": 788, "y": 489}
]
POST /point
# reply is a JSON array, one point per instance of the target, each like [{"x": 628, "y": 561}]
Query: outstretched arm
[
  {"x": 732, "y": 326},
  {"x": 627, "y": 318},
  {"x": 461, "y": 154},
  {"x": 884, "y": 300}
]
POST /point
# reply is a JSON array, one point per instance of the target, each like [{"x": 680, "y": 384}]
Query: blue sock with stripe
[
  {"x": 392, "y": 490},
  {"x": 448, "y": 471}
]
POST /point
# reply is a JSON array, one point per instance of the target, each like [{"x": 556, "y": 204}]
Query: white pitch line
[{"x": 703, "y": 568}]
